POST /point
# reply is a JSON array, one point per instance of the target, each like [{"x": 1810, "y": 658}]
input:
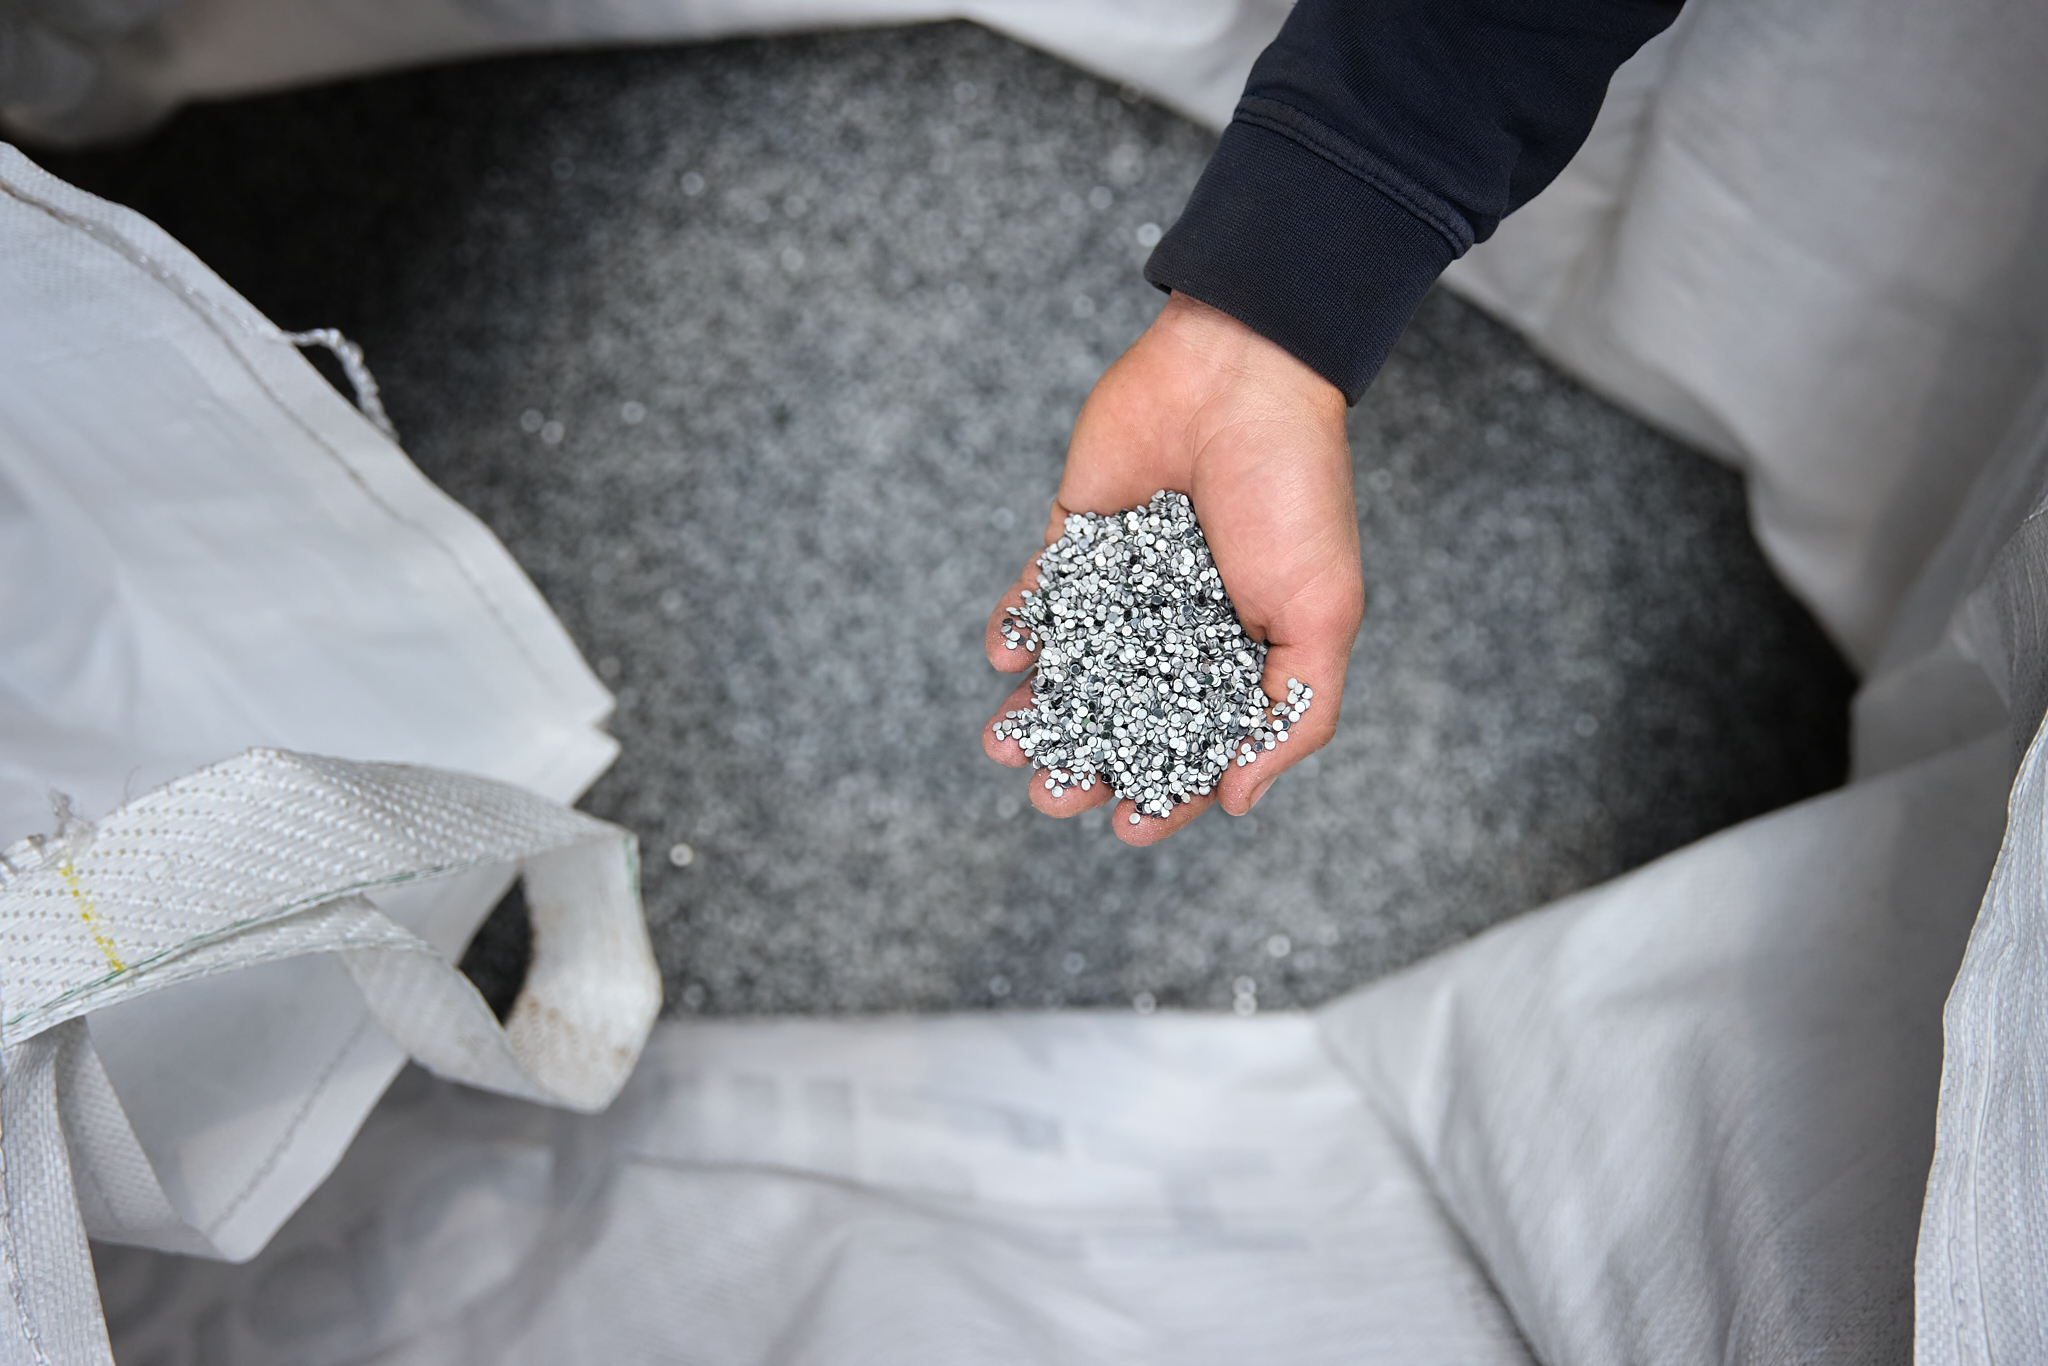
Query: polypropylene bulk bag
[{"x": 211, "y": 980}]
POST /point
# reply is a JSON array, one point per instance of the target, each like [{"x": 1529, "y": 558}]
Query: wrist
[{"x": 1224, "y": 356}]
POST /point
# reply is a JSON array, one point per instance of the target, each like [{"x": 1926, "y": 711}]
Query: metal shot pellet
[{"x": 1145, "y": 679}]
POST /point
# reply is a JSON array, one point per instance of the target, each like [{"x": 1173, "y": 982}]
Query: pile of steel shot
[{"x": 1146, "y": 681}]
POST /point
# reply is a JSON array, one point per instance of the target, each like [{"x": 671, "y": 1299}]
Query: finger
[
  {"x": 1072, "y": 800},
  {"x": 1005, "y": 657},
  {"x": 1152, "y": 829},
  {"x": 1006, "y": 750},
  {"x": 1241, "y": 787},
  {"x": 1310, "y": 641},
  {"x": 1056, "y": 522}
]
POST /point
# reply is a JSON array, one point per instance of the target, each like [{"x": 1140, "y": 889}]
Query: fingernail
[{"x": 1259, "y": 792}]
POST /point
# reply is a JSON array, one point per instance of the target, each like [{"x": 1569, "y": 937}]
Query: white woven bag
[{"x": 207, "y": 552}]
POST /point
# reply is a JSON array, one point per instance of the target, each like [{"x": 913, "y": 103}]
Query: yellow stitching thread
[{"x": 90, "y": 915}]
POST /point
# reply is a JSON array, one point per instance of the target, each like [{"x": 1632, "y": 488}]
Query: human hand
[{"x": 1203, "y": 404}]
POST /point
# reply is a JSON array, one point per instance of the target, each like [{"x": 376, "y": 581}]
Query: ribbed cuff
[{"x": 1303, "y": 252}]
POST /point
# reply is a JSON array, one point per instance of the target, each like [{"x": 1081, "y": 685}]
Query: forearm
[{"x": 1377, "y": 141}]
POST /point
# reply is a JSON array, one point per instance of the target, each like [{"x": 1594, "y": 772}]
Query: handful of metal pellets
[{"x": 1146, "y": 680}]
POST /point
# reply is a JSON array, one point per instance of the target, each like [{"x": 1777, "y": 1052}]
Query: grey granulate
[{"x": 1146, "y": 680}]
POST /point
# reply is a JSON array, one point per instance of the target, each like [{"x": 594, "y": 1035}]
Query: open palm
[{"x": 1203, "y": 404}]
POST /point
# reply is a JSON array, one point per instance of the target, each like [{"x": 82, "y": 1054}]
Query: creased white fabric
[
  {"x": 226, "y": 554},
  {"x": 1686, "y": 1117},
  {"x": 1982, "y": 1285},
  {"x": 1192, "y": 54},
  {"x": 265, "y": 860},
  {"x": 1813, "y": 246},
  {"x": 213, "y": 561},
  {"x": 1982, "y": 1271},
  {"x": 994, "y": 1189}
]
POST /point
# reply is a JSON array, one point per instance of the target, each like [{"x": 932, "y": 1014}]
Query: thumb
[{"x": 1306, "y": 714}]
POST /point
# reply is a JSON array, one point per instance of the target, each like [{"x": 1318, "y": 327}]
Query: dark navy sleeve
[{"x": 1378, "y": 140}]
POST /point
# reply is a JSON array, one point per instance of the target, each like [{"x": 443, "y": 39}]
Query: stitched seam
[
  {"x": 291, "y": 1132},
  {"x": 1347, "y": 156}
]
